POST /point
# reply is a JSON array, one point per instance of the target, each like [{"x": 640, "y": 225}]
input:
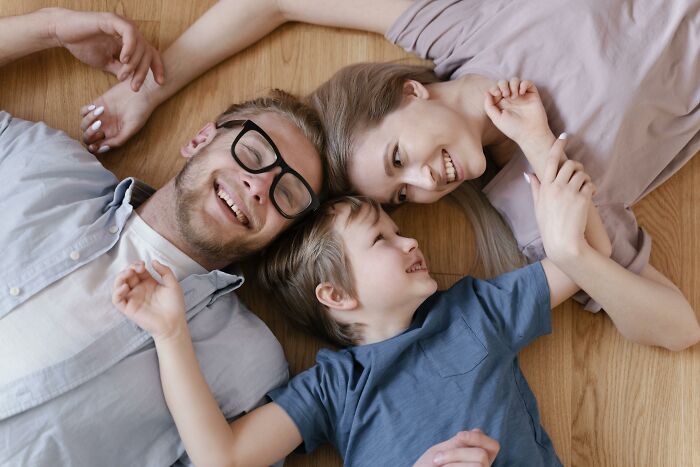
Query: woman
[{"x": 600, "y": 75}]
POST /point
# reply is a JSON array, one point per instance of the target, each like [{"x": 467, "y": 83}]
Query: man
[{"x": 78, "y": 383}]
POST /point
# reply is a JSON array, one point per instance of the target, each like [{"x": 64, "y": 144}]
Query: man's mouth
[
  {"x": 235, "y": 209},
  {"x": 450, "y": 170},
  {"x": 417, "y": 266}
]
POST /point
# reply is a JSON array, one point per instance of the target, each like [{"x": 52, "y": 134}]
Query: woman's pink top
[{"x": 622, "y": 77}]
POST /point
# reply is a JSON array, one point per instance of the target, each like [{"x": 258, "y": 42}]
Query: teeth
[
  {"x": 236, "y": 210},
  {"x": 449, "y": 167},
  {"x": 416, "y": 267}
]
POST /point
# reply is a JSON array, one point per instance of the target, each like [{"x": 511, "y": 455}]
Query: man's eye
[
  {"x": 397, "y": 157},
  {"x": 377, "y": 238},
  {"x": 402, "y": 195}
]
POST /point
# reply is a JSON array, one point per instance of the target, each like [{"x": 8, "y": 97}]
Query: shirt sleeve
[
  {"x": 314, "y": 399},
  {"x": 516, "y": 305}
]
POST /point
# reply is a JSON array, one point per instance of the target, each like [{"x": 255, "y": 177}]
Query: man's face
[{"x": 223, "y": 211}]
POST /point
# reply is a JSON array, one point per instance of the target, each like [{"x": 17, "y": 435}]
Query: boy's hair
[{"x": 307, "y": 255}]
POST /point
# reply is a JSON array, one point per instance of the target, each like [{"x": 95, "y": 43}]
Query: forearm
[
  {"x": 202, "y": 427},
  {"x": 25, "y": 34},
  {"x": 643, "y": 310}
]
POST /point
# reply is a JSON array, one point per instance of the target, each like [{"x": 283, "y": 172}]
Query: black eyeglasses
[{"x": 255, "y": 151}]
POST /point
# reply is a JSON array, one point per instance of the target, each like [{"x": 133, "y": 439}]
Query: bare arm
[
  {"x": 261, "y": 437},
  {"x": 23, "y": 35}
]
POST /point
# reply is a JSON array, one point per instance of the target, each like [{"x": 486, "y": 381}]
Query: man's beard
[{"x": 192, "y": 186}]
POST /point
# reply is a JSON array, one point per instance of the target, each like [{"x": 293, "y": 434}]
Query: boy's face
[{"x": 389, "y": 270}]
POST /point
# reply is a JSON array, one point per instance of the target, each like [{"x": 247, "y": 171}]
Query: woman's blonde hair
[{"x": 356, "y": 99}]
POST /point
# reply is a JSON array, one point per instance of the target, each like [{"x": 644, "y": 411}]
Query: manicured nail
[
  {"x": 96, "y": 126},
  {"x": 98, "y": 111},
  {"x": 527, "y": 177},
  {"x": 91, "y": 147},
  {"x": 563, "y": 136},
  {"x": 103, "y": 149},
  {"x": 91, "y": 107}
]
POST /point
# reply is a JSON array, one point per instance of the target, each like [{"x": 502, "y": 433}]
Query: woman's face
[{"x": 418, "y": 153}]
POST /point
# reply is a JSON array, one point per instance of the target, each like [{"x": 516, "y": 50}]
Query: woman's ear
[
  {"x": 200, "y": 140},
  {"x": 412, "y": 88},
  {"x": 334, "y": 298}
]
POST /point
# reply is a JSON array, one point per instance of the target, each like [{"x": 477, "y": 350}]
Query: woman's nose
[{"x": 423, "y": 178}]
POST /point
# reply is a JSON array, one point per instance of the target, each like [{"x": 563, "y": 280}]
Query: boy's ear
[
  {"x": 334, "y": 298},
  {"x": 202, "y": 139},
  {"x": 412, "y": 88}
]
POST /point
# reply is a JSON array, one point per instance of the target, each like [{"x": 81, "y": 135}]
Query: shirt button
[
  {"x": 14, "y": 291},
  {"x": 74, "y": 255},
  {"x": 114, "y": 229}
]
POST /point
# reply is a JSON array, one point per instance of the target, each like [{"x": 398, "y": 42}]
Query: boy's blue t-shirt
[{"x": 454, "y": 369}]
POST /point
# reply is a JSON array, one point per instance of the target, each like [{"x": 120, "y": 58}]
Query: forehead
[{"x": 296, "y": 150}]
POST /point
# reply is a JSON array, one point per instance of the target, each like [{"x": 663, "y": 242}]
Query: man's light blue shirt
[{"x": 104, "y": 405}]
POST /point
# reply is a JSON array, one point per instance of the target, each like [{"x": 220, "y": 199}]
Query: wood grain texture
[{"x": 603, "y": 400}]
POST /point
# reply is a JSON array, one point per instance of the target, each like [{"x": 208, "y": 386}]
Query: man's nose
[{"x": 258, "y": 185}]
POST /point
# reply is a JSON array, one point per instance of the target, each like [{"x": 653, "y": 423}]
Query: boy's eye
[
  {"x": 396, "y": 160},
  {"x": 377, "y": 238},
  {"x": 401, "y": 195}
]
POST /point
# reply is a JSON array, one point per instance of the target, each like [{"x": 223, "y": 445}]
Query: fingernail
[
  {"x": 98, "y": 111},
  {"x": 527, "y": 177},
  {"x": 96, "y": 126},
  {"x": 563, "y": 136},
  {"x": 126, "y": 59},
  {"x": 91, "y": 107},
  {"x": 103, "y": 149}
]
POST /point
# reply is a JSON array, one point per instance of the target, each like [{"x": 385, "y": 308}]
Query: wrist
[
  {"x": 176, "y": 332},
  {"x": 48, "y": 19},
  {"x": 569, "y": 255},
  {"x": 537, "y": 143}
]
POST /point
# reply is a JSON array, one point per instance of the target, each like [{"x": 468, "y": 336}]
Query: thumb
[
  {"x": 166, "y": 273},
  {"x": 534, "y": 185},
  {"x": 492, "y": 109},
  {"x": 113, "y": 66}
]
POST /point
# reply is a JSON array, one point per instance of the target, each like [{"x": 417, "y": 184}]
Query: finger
[
  {"x": 128, "y": 33},
  {"x": 157, "y": 67},
  {"x": 113, "y": 66},
  {"x": 90, "y": 116},
  {"x": 495, "y": 92},
  {"x": 579, "y": 178},
  {"x": 141, "y": 71},
  {"x": 526, "y": 86},
  {"x": 588, "y": 189},
  {"x": 131, "y": 278},
  {"x": 135, "y": 61},
  {"x": 534, "y": 186},
  {"x": 492, "y": 110},
  {"x": 84, "y": 110},
  {"x": 504, "y": 87},
  {"x": 165, "y": 272},
  {"x": 477, "y": 455},
  {"x": 120, "y": 294},
  {"x": 567, "y": 171},
  {"x": 514, "y": 86}
]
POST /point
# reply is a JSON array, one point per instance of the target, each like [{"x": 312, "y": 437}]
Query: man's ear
[
  {"x": 412, "y": 88},
  {"x": 334, "y": 298},
  {"x": 201, "y": 140}
]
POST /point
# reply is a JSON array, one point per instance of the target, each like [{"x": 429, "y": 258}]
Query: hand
[
  {"x": 157, "y": 309},
  {"x": 120, "y": 113},
  {"x": 516, "y": 109},
  {"x": 107, "y": 41},
  {"x": 562, "y": 201},
  {"x": 466, "y": 448}
]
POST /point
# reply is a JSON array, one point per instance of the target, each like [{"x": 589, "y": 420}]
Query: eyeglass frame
[{"x": 249, "y": 125}]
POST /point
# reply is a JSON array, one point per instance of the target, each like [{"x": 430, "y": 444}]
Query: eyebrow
[{"x": 388, "y": 167}]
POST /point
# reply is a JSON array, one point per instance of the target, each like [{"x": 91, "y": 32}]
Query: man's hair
[
  {"x": 307, "y": 255},
  {"x": 302, "y": 115}
]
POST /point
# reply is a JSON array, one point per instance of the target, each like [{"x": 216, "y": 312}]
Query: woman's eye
[
  {"x": 397, "y": 157},
  {"x": 402, "y": 194}
]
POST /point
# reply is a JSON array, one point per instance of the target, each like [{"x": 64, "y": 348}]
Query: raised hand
[
  {"x": 157, "y": 308},
  {"x": 516, "y": 109},
  {"x": 107, "y": 41}
]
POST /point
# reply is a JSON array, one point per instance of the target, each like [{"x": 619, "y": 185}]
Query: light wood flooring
[{"x": 604, "y": 401}]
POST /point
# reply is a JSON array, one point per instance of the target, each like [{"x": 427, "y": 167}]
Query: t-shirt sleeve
[
  {"x": 516, "y": 305},
  {"x": 314, "y": 399},
  {"x": 437, "y": 29}
]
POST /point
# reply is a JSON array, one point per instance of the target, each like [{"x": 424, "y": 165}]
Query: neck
[
  {"x": 385, "y": 325},
  {"x": 159, "y": 214},
  {"x": 466, "y": 96}
]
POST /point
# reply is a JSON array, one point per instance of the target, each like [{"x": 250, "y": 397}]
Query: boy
[{"x": 422, "y": 364}]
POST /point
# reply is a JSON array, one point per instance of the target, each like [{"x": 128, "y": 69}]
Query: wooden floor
[{"x": 604, "y": 401}]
